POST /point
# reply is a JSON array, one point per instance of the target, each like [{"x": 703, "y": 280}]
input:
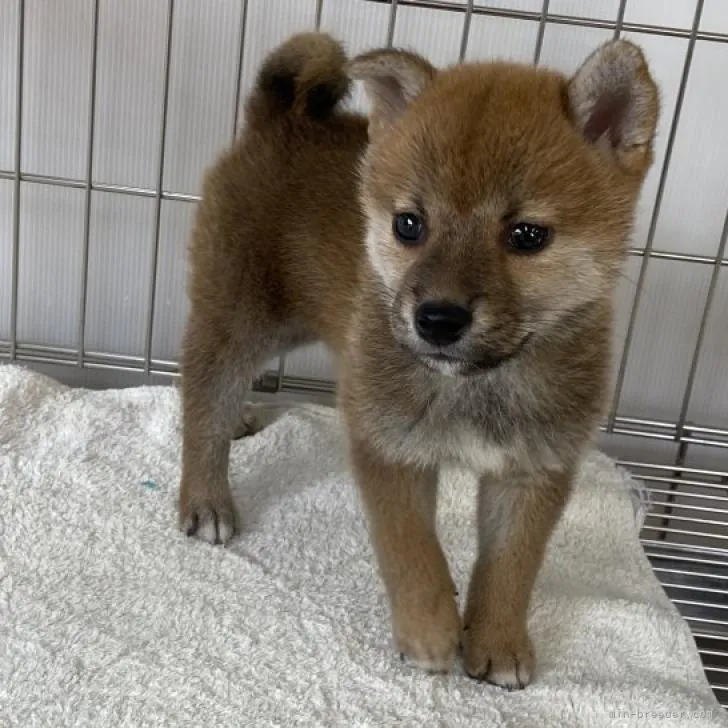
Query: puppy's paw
[
  {"x": 256, "y": 417},
  {"x": 427, "y": 631},
  {"x": 210, "y": 520},
  {"x": 498, "y": 658}
]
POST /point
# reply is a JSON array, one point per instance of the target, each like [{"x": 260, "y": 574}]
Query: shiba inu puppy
[{"x": 458, "y": 250}]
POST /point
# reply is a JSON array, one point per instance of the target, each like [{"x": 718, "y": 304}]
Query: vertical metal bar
[
  {"x": 16, "y": 182},
  {"x": 281, "y": 372},
  {"x": 682, "y": 453},
  {"x": 712, "y": 287},
  {"x": 319, "y": 12},
  {"x": 541, "y": 31},
  {"x": 392, "y": 23},
  {"x": 81, "y": 335},
  {"x": 239, "y": 66},
  {"x": 158, "y": 197},
  {"x": 620, "y": 19},
  {"x": 466, "y": 30},
  {"x": 655, "y": 216}
]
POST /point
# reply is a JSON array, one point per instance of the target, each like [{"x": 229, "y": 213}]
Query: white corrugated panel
[
  {"x": 623, "y": 301},
  {"x": 435, "y": 34},
  {"x": 311, "y": 361},
  {"x": 666, "y": 57},
  {"x": 674, "y": 13},
  {"x": 170, "y": 307},
  {"x": 665, "y": 333},
  {"x": 596, "y": 9},
  {"x": 50, "y": 264},
  {"x": 56, "y": 87},
  {"x": 709, "y": 402},
  {"x": 119, "y": 274},
  {"x": 714, "y": 18},
  {"x": 503, "y": 39},
  {"x": 8, "y": 82},
  {"x": 696, "y": 193},
  {"x": 6, "y": 255},
  {"x": 129, "y": 85},
  {"x": 566, "y": 46},
  {"x": 203, "y": 77}
]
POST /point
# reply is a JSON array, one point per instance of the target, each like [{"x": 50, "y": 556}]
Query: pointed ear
[
  {"x": 392, "y": 80},
  {"x": 615, "y": 103}
]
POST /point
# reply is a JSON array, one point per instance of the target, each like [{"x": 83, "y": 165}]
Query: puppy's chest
[
  {"x": 465, "y": 445},
  {"x": 446, "y": 433}
]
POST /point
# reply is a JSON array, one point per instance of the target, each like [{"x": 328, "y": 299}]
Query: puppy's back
[{"x": 280, "y": 218}]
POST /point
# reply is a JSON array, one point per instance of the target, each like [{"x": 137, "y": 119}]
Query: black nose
[{"x": 441, "y": 322}]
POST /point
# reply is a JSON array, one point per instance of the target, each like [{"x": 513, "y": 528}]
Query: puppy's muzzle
[{"x": 441, "y": 323}]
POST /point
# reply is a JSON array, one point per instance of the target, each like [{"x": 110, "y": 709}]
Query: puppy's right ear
[{"x": 392, "y": 80}]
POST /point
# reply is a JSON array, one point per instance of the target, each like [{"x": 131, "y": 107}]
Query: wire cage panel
[
  {"x": 203, "y": 63},
  {"x": 311, "y": 362},
  {"x": 171, "y": 305},
  {"x": 51, "y": 232},
  {"x": 667, "y": 58},
  {"x": 714, "y": 18},
  {"x": 55, "y": 86},
  {"x": 676, "y": 293},
  {"x": 110, "y": 112},
  {"x": 681, "y": 13},
  {"x": 433, "y": 33},
  {"x": 120, "y": 259},
  {"x": 629, "y": 447},
  {"x": 267, "y": 24},
  {"x": 688, "y": 221},
  {"x": 508, "y": 39},
  {"x": 7, "y": 193},
  {"x": 709, "y": 401},
  {"x": 566, "y": 46},
  {"x": 8, "y": 81},
  {"x": 129, "y": 92},
  {"x": 601, "y": 9},
  {"x": 623, "y": 300},
  {"x": 361, "y": 25}
]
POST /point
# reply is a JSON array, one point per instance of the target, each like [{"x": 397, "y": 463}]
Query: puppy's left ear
[
  {"x": 614, "y": 102},
  {"x": 392, "y": 80}
]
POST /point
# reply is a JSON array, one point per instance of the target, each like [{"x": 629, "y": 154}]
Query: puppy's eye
[
  {"x": 526, "y": 237},
  {"x": 409, "y": 228}
]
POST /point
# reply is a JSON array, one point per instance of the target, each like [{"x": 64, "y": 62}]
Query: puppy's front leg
[
  {"x": 515, "y": 520},
  {"x": 400, "y": 504}
]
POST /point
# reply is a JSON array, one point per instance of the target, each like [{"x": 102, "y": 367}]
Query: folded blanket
[{"x": 110, "y": 617}]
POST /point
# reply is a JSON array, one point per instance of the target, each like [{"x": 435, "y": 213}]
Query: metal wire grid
[{"x": 684, "y": 536}]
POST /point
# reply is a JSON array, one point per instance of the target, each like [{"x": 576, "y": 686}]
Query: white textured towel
[{"x": 110, "y": 617}]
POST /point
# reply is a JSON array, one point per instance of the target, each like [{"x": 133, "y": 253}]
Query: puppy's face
[{"x": 499, "y": 198}]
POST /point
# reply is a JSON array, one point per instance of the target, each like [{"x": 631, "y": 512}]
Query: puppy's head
[{"x": 499, "y": 198}]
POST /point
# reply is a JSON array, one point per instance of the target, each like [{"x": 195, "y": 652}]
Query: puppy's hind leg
[{"x": 217, "y": 369}]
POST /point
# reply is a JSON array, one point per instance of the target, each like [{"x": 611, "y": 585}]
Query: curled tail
[{"x": 302, "y": 78}]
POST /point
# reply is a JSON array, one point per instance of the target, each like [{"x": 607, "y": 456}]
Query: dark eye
[
  {"x": 525, "y": 237},
  {"x": 409, "y": 228}
]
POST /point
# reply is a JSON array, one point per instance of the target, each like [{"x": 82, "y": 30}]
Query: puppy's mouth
[{"x": 469, "y": 365}]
